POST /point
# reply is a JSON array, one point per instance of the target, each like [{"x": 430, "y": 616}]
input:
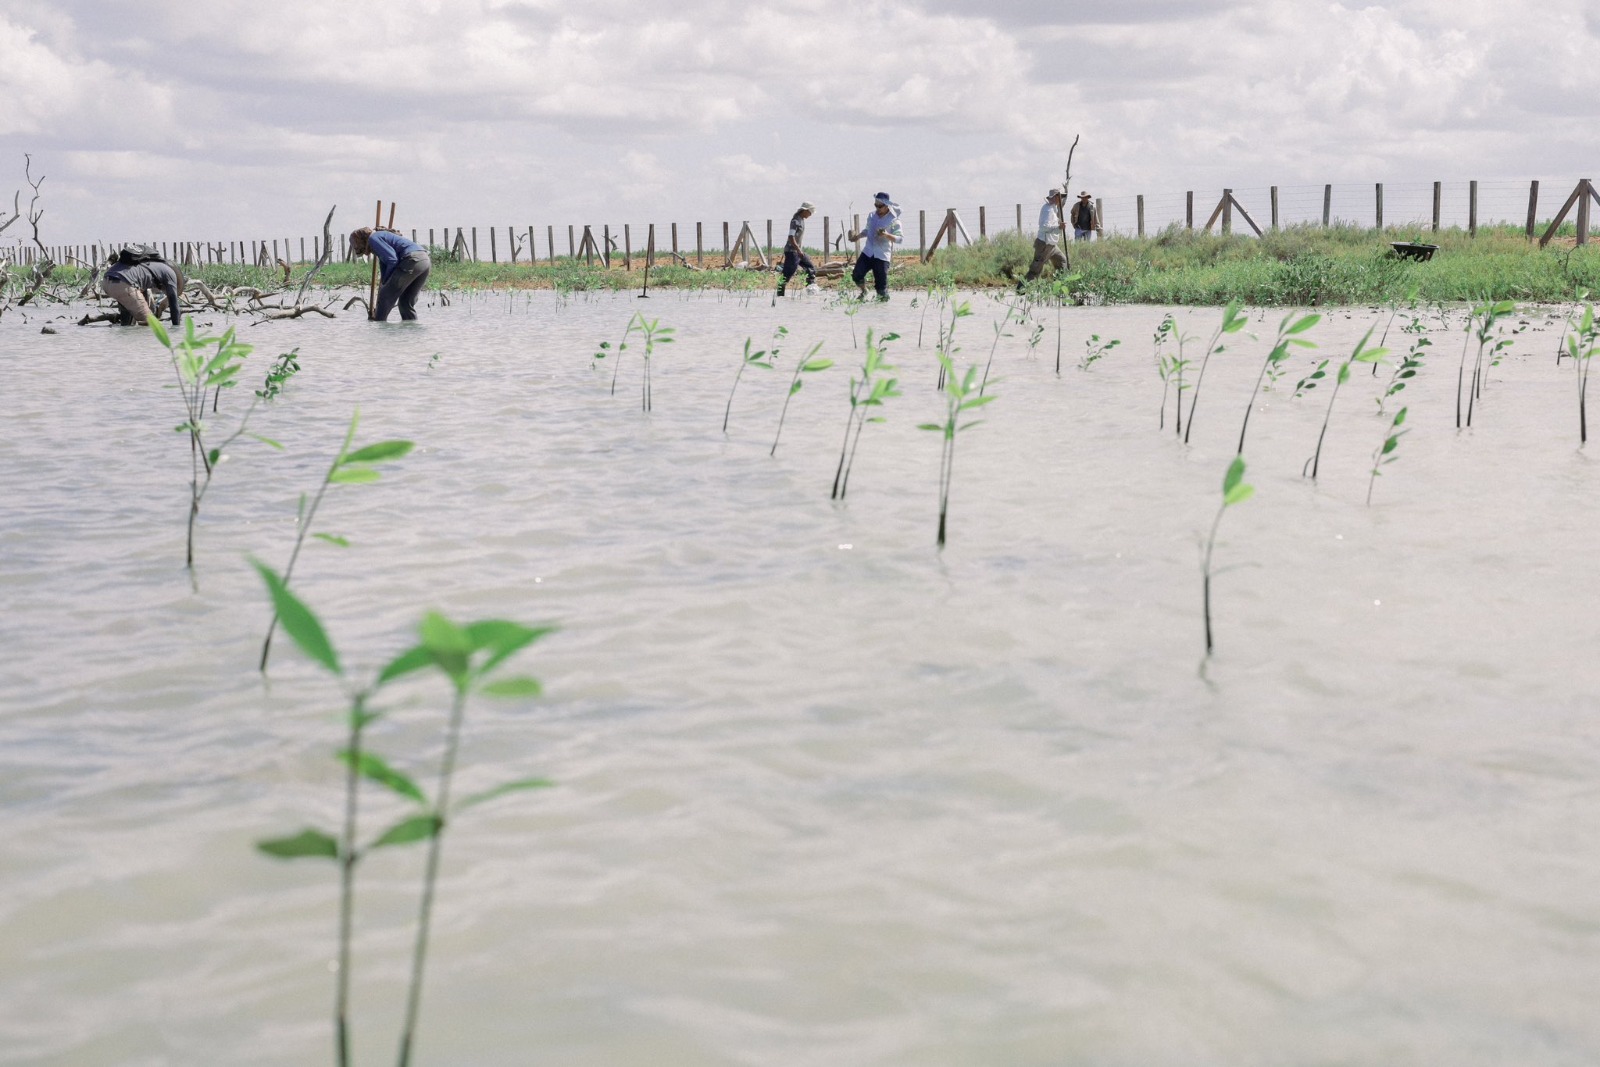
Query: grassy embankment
[{"x": 1302, "y": 266}]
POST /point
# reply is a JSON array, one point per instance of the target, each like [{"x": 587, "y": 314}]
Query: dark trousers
[
  {"x": 1045, "y": 252},
  {"x": 403, "y": 286},
  {"x": 880, "y": 273},
  {"x": 793, "y": 260}
]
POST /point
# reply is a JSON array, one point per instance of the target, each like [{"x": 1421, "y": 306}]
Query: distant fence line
[{"x": 1400, "y": 206}]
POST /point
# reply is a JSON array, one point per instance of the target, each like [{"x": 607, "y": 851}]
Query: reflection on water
[{"x": 818, "y": 804}]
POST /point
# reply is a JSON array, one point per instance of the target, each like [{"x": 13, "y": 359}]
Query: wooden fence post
[
  {"x": 769, "y": 239},
  {"x": 922, "y": 234},
  {"x": 550, "y": 234},
  {"x": 983, "y": 223},
  {"x": 1438, "y": 198},
  {"x": 1100, "y": 217},
  {"x": 1274, "y": 194},
  {"x": 825, "y": 238},
  {"x": 1533, "y": 206},
  {"x": 699, "y": 245},
  {"x": 1327, "y": 206},
  {"x": 1227, "y": 212},
  {"x": 494, "y": 251},
  {"x": 1188, "y": 211},
  {"x": 1019, "y": 218},
  {"x": 1139, "y": 207},
  {"x": 572, "y": 245},
  {"x": 1380, "y": 207},
  {"x": 674, "y": 239},
  {"x": 1472, "y": 208},
  {"x": 727, "y": 245},
  {"x": 1583, "y": 212},
  {"x": 474, "y": 244},
  {"x": 627, "y": 247}
]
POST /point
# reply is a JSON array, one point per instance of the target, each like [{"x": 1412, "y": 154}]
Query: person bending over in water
[
  {"x": 403, "y": 267},
  {"x": 130, "y": 278}
]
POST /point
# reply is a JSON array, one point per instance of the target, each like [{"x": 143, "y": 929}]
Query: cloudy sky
[{"x": 232, "y": 118}]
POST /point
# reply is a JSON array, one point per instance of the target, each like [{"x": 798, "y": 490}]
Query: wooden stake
[
  {"x": 1533, "y": 207},
  {"x": 372, "y": 290},
  {"x": 1438, "y": 197}
]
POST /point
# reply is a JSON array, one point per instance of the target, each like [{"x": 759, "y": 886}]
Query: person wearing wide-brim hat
[
  {"x": 882, "y": 231},
  {"x": 1046, "y": 243},
  {"x": 794, "y": 251},
  {"x": 1085, "y": 220}
]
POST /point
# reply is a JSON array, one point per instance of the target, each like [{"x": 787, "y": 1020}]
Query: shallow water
[{"x": 826, "y": 796}]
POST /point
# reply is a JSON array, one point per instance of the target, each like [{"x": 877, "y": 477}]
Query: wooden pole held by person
[{"x": 372, "y": 290}]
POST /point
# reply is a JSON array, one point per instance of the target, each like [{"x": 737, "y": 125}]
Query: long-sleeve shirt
[
  {"x": 390, "y": 249},
  {"x": 1049, "y": 224},
  {"x": 878, "y": 246},
  {"x": 152, "y": 275}
]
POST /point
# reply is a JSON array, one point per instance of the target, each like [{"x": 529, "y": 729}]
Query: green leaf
[
  {"x": 383, "y": 450},
  {"x": 1303, "y": 325},
  {"x": 1400, "y": 416},
  {"x": 794, "y": 387},
  {"x": 408, "y": 831},
  {"x": 1344, "y": 372},
  {"x": 412, "y": 659},
  {"x": 1234, "y": 476},
  {"x": 353, "y": 475},
  {"x": 373, "y": 768},
  {"x": 266, "y": 441},
  {"x": 502, "y": 639},
  {"x": 313, "y": 843},
  {"x": 507, "y": 787},
  {"x": 936, "y": 427},
  {"x": 811, "y": 365},
  {"x": 521, "y": 686},
  {"x": 332, "y": 539},
  {"x": 159, "y": 330},
  {"x": 1238, "y": 495},
  {"x": 299, "y": 621}
]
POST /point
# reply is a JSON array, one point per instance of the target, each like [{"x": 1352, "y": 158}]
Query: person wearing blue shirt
[
  {"x": 403, "y": 267},
  {"x": 882, "y": 231}
]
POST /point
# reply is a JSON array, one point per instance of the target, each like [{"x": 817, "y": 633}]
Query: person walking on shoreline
[
  {"x": 794, "y": 251},
  {"x": 1085, "y": 220},
  {"x": 403, "y": 267},
  {"x": 882, "y": 231},
  {"x": 1046, "y": 243}
]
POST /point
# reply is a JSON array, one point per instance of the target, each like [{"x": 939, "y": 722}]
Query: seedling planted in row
[
  {"x": 867, "y": 394},
  {"x": 809, "y": 365},
  {"x": 961, "y": 396},
  {"x": 1288, "y": 331},
  {"x": 1234, "y": 491}
]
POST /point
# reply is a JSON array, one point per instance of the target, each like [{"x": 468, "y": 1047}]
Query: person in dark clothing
[
  {"x": 128, "y": 284},
  {"x": 794, "y": 251},
  {"x": 403, "y": 267}
]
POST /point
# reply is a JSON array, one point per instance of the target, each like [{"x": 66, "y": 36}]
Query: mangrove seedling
[
  {"x": 1177, "y": 366},
  {"x": 809, "y": 365},
  {"x": 1165, "y": 332},
  {"x": 999, "y": 332},
  {"x": 466, "y": 654},
  {"x": 1410, "y": 365},
  {"x": 1234, "y": 491},
  {"x": 947, "y": 334},
  {"x": 1288, "y": 331},
  {"x": 867, "y": 394},
  {"x": 622, "y": 345},
  {"x": 751, "y": 359},
  {"x": 654, "y": 334},
  {"x": 1362, "y": 354},
  {"x": 1094, "y": 351},
  {"x": 347, "y": 468},
  {"x": 1233, "y": 320},
  {"x": 1487, "y": 316},
  {"x": 959, "y": 399},
  {"x": 283, "y": 368},
  {"x": 200, "y": 371},
  {"x": 1582, "y": 340},
  {"x": 1385, "y": 452}
]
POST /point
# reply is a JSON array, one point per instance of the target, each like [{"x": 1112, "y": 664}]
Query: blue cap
[{"x": 882, "y": 198}]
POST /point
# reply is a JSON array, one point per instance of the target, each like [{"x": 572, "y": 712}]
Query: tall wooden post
[
  {"x": 1438, "y": 199},
  {"x": 1019, "y": 218},
  {"x": 1533, "y": 206},
  {"x": 1380, "y": 207},
  {"x": 1472, "y": 208},
  {"x": 474, "y": 244},
  {"x": 1583, "y": 212},
  {"x": 727, "y": 244},
  {"x": 372, "y": 291},
  {"x": 922, "y": 235},
  {"x": 1327, "y": 206},
  {"x": 1188, "y": 209},
  {"x": 605, "y": 250},
  {"x": 699, "y": 244},
  {"x": 572, "y": 244},
  {"x": 1139, "y": 208},
  {"x": 1274, "y": 194},
  {"x": 494, "y": 250},
  {"x": 674, "y": 238},
  {"x": 1227, "y": 212},
  {"x": 825, "y": 239},
  {"x": 550, "y": 236},
  {"x": 769, "y": 239},
  {"x": 983, "y": 223},
  {"x": 627, "y": 247}
]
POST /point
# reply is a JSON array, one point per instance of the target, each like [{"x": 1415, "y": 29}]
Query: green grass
[{"x": 1300, "y": 266}]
